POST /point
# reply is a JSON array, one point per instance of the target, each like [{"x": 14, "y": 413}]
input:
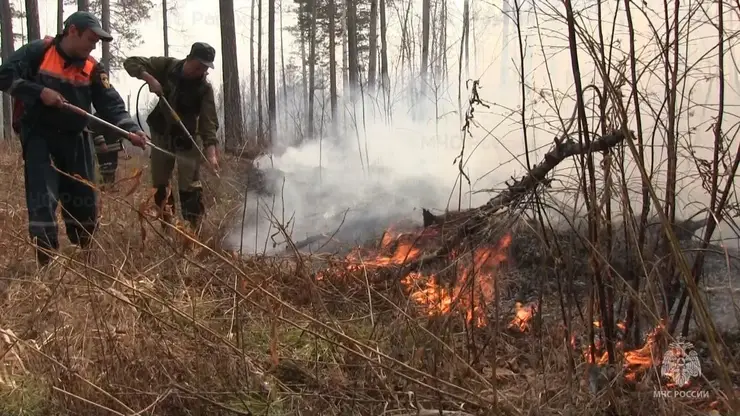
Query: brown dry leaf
[{"x": 188, "y": 236}]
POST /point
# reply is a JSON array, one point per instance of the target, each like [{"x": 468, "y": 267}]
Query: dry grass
[{"x": 152, "y": 327}]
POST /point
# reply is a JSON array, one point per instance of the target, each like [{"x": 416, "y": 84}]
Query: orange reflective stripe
[
  {"x": 89, "y": 67},
  {"x": 53, "y": 65}
]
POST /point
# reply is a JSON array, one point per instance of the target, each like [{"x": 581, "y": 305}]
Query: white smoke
[
  {"x": 327, "y": 186},
  {"x": 411, "y": 158}
]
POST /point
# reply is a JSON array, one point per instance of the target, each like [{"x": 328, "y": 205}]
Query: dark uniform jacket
[
  {"x": 193, "y": 100},
  {"x": 82, "y": 82}
]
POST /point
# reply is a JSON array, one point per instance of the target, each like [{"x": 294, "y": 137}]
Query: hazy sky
[{"x": 191, "y": 21}]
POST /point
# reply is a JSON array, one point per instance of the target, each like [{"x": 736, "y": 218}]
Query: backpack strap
[
  {"x": 18, "y": 105},
  {"x": 48, "y": 42}
]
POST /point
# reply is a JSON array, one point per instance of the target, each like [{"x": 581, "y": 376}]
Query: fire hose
[
  {"x": 117, "y": 147},
  {"x": 111, "y": 126},
  {"x": 177, "y": 118},
  {"x": 103, "y": 147}
]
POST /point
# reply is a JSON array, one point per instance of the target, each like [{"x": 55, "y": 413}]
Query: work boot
[
  {"x": 45, "y": 250},
  {"x": 191, "y": 202},
  {"x": 44, "y": 259},
  {"x": 165, "y": 210},
  {"x": 109, "y": 178}
]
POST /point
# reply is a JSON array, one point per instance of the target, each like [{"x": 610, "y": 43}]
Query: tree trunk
[
  {"x": 83, "y": 5},
  {"x": 406, "y": 40},
  {"x": 311, "y": 71},
  {"x": 425, "y": 17},
  {"x": 333, "y": 62},
  {"x": 466, "y": 26},
  {"x": 259, "y": 71},
  {"x": 345, "y": 54},
  {"x": 442, "y": 58},
  {"x": 373, "y": 58},
  {"x": 105, "y": 17},
  {"x": 32, "y": 20},
  {"x": 304, "y": 76},
  {"x": 271, "y": 106},
  {"x": 252, "y": 74},
  {"x": 60, "y": 16},
  {"x": 233, "y": 126},
  {"x": 8, "y": 48},
  {"x": 282, "y": 57},
  {"x": 353, "y": 58},
  {"x": 383, "y": 48},
  {"x": 165, "y": 29}
]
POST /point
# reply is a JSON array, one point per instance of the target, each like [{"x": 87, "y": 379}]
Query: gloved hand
[
  {"x": 52, "y": 98},
  {"x": 138, "y": 139},
  {"x": 212, "y": 157}
]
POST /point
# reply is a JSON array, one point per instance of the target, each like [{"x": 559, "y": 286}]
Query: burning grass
[{"x": 148, "y": 325}]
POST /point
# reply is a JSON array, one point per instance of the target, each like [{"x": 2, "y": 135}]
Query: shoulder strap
[
  {"x": 18, "y": 105},
  {"x": 48, "y": 42},
  {"x": 90, "y": 64}
]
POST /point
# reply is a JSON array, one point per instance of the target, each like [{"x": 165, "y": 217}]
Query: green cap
[
  {"x": 85, "y": 20},
  {"x": 203, "y": 52}
]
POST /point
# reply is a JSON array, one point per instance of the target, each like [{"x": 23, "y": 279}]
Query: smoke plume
[{"x": 355, "y": 188}]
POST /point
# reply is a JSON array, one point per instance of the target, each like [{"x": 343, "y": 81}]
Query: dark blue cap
[{"x": 85, "y": 20}]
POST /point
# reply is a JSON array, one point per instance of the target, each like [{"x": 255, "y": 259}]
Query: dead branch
[{"x": 527, "y": 184}]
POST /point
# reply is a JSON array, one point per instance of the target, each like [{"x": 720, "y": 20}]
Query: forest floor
[{"x": 157, "y": 323}]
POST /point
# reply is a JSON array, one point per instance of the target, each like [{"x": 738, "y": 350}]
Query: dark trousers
[
  {"x": 108, "y": 163},
  {"x": 46, "y": 188}
]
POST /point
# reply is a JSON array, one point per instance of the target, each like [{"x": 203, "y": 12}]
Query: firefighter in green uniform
[{"x": 183, "y": 83}]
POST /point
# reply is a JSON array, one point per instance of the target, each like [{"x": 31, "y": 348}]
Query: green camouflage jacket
[{"x": 193, "y": 101}]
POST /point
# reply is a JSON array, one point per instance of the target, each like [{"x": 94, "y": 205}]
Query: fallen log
[{"x": 516, "y": 191}]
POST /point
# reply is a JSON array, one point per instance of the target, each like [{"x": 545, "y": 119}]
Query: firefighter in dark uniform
[
  {"x": 44, "y": 74},
  {"x": 107, "y": 145},
  {"x": 183, "y": 83}
]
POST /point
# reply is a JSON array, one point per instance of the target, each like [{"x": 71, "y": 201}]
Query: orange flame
[
  {"x": 473, "y": 289},
  {"x": 523, "y": 316},
  {"x": 636, "y": 361},
  {"x": 473, "y": 286}
]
